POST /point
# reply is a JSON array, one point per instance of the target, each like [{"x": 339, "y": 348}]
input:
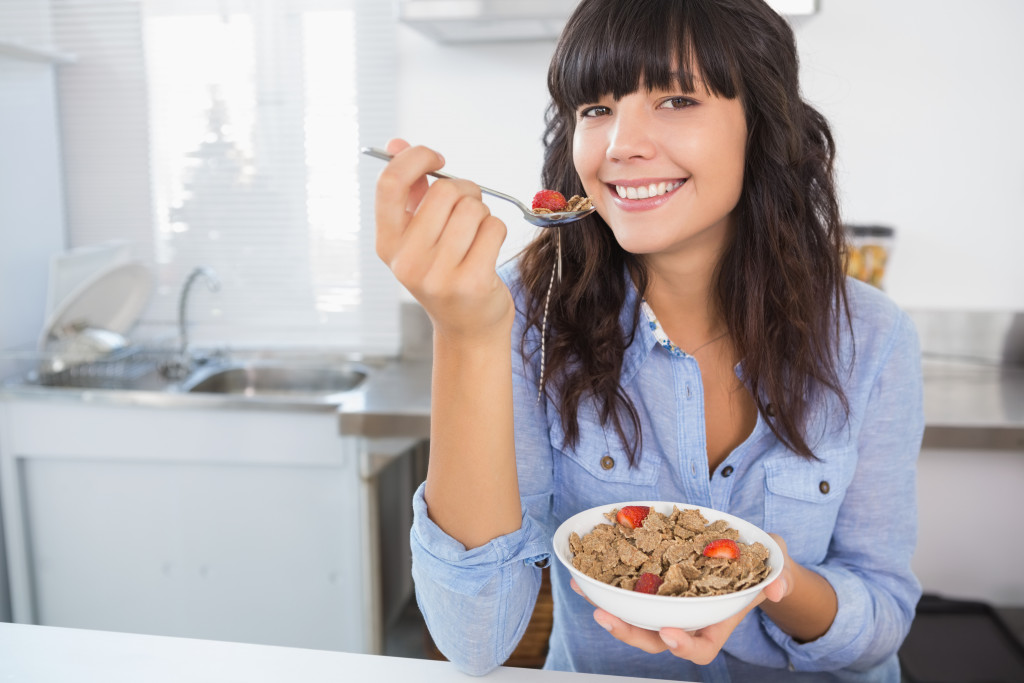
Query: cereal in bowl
[{"x": 681, "y": 554}]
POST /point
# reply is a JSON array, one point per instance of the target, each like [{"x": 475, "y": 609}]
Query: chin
[{"x": 637, "y": 242}]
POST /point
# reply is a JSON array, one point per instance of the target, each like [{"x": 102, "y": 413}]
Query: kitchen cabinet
[
  {"x": 31, "y": 198},
  {"x": 250, "y": 525}
]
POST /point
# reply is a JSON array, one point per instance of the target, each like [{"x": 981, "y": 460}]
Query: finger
[
  {"x": 648, "y": 641},
  {"x": 394, "y": 188},
  {"x": 454, "y": 243},
  {"x": 419, "y": 188},
  {"x": 486, "y": 246},
  {"x": 437, "y": 211},
  {"x": 703, "y": 645},
  {"x": 777, "y": 589}
]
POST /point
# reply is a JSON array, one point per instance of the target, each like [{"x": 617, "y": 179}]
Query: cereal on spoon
[{"x": 552, "y": 201}]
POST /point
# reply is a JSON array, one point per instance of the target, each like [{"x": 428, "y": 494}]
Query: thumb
[{"x": 777, "y": 589}]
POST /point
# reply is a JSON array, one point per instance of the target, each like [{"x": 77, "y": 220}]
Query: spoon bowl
[{"x": 542, "y": 220}]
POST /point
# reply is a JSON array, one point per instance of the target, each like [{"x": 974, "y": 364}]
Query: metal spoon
[{"x": 543, "y": 220}]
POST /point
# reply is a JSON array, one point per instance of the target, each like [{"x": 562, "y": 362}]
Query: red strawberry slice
[
  {"x": 550, "y": 200},
  {"x": 632, "y": 516},
  {"x": 722, "y": 547},
  {"x": 647, "y": 583}
]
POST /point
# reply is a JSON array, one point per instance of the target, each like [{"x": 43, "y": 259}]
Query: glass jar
[{"x": 868, "y": 252}]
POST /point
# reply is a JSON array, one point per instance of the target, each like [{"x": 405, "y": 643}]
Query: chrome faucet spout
[{"x": 212, "y": 283}]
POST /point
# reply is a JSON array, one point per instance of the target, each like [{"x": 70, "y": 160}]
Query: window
[{"x": 225, "y": 134}]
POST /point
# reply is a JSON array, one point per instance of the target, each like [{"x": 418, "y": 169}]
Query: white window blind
[{"x": 225, "y": 133}]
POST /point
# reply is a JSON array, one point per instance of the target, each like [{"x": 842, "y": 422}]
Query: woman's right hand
[{"x": 442, "y": 243}]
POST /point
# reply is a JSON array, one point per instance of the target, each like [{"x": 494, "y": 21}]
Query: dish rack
[{"x": 120, "y": 369}]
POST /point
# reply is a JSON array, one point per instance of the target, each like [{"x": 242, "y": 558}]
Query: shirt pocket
[
  {"x": 803, "y": 497},
  {"x": 596, "y": 470}
]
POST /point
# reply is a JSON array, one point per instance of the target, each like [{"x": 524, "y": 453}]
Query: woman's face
[{"x": 664, "y": 168}]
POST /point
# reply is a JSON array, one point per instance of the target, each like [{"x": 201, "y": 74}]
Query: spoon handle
[{"x": 381, "y": 154}]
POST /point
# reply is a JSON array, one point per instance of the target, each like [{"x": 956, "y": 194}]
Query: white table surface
[{"x": 46, "y": 654}]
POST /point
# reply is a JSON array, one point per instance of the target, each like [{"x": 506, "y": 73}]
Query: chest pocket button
[
  {"x": 607, "y": 462},
  {"x": 823, "y": 487}
]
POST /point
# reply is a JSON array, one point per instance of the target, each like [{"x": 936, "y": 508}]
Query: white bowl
[{"x": 655, "y": 612}]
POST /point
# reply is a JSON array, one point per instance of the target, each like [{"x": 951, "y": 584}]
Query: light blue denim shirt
[{"x": 850, "y": 515}]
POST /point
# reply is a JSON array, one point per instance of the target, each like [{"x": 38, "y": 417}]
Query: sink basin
[{"x": 271, "y": 379}]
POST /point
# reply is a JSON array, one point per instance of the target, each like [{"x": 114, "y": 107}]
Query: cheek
[{"x": 585, "y": 158}]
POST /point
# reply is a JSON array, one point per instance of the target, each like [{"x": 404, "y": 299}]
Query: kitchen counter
[
  {"x": 43, "y": 654},
  {"x": 973, "y": 405},
  {"x": 394, "y": 402},
  {"x": 967, "y": 404}
]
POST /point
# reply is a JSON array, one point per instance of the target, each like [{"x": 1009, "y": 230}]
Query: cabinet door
[
  {"x": 248, "y": 526},
  {"x": 969, "y": 512},
  {"x": 257, "y": 553}
]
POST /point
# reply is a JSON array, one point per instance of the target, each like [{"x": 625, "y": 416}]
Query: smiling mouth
[{"x": 647, "y": 191}]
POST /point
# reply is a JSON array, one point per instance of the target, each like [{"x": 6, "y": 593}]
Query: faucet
[{"x": 213, "y": 283}]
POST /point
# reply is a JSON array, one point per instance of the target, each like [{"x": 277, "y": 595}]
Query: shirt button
[
  {"x": 823, "y": 487},
  {"x": 770, "y": 410},
  {"x": 727, "y": 470},
  {"x": 607, "y": 462}
]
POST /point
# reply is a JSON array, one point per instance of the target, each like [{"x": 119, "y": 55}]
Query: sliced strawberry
[
  {"x": 550, "y": 200},
  {"x": 632, "y": 516},
  {"x": 647, "y": 583},
  {"x": 722, "y": 547}
]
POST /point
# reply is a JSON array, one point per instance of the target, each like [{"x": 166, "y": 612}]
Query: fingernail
[
  {"x": 606, "y": 627},
  {"x": 668, "y": 641},
  {"x": 441, "y": 157}
]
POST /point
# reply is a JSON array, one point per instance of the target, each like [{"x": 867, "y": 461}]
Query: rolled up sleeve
[{"x": 477, "y": 603}]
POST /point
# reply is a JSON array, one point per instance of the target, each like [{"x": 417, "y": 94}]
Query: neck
[{"x": 681, "y": 294}]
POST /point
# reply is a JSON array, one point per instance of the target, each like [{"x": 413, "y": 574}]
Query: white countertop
[{"x": 45, "y": 654}]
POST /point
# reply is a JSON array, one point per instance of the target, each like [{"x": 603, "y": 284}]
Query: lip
[{"x": 641, "y": 204}]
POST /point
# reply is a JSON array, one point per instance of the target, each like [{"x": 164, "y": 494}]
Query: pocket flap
[
  {"x": 601, "y": 453},
  {"x": 813, "y": 481}
]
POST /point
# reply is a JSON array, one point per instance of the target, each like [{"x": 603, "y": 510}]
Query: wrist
[{"x": 458, "y": 339}]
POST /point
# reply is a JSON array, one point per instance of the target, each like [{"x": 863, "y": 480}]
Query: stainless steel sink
[{"x": 274, "y": 378}]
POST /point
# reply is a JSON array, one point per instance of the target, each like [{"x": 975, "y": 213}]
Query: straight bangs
[{"x": 611, "y": 47}]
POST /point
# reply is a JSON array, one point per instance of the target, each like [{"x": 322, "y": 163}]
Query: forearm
[
  {"x": 472, "y": 492},
  {"x": 808, "y": 610}
]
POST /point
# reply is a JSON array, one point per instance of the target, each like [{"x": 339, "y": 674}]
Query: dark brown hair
[{"x": 780, "y": 284}]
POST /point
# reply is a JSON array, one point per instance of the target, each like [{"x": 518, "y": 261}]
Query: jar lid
[{"x": 870, "y": 230}]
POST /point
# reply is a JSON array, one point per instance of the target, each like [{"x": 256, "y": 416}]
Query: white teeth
[{"x": 643, "y": 192}]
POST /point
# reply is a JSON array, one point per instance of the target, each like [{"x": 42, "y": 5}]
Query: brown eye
[
  {"x": 677, "y": 103},
  {"x": 590, "y": 112}
]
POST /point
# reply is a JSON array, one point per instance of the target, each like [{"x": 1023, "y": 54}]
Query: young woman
[{"x": 701, "y": 345}]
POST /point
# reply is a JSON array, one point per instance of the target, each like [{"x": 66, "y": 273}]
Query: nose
[{"x": 629, "y": 136}]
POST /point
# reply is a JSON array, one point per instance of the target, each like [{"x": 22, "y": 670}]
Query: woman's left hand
[{"x": 700, "y": 646}]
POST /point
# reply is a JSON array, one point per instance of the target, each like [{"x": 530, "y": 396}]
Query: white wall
[{"x": 925, "y": 98}]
